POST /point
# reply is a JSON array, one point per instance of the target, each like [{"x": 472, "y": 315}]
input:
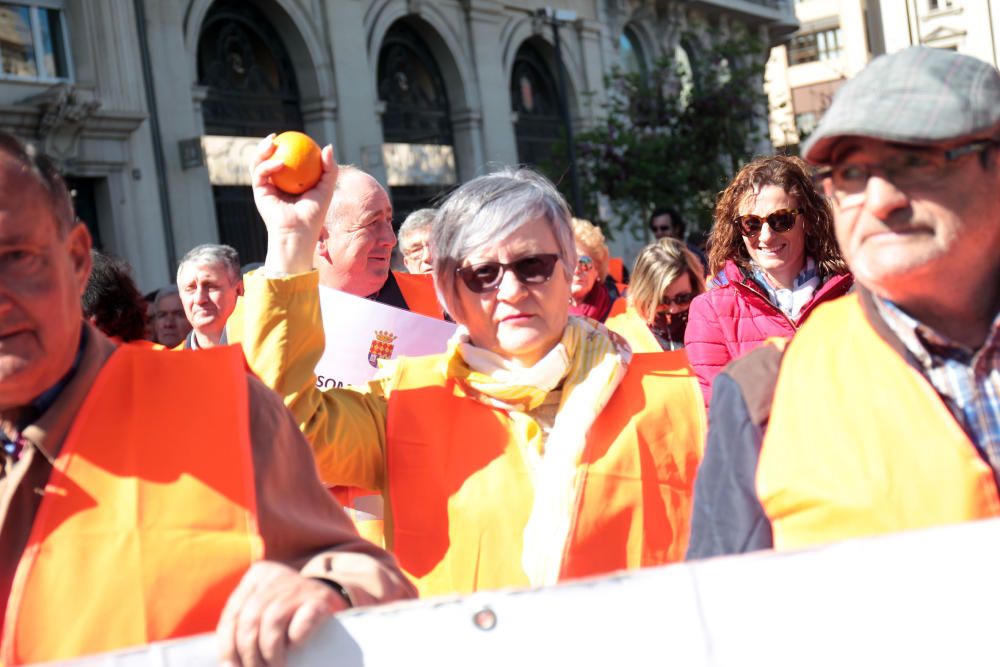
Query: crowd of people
[{"x": 829, "y": 368}]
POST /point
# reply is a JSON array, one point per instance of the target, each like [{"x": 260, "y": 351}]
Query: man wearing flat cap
[{"x": 883, "y": 412}]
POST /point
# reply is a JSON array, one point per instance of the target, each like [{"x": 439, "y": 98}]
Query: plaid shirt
[
  {"x": 967, "y": 380},
  {"x": 790, "y": 301}
]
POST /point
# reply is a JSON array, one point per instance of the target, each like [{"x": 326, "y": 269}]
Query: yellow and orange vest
[
  {"x": 459, "y": 492},
  {"x": 630, "y": 325},
  {"x": 148, "y": 520},
  {"x": 859, "y": 442}
]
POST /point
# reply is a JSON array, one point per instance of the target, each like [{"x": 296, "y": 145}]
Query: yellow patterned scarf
[{"x": 589, "y": 363}]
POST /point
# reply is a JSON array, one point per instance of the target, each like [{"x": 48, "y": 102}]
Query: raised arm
[{"x": 281, "y": 331}]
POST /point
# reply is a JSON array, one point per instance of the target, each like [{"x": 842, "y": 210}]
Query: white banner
[
  {"x": 360, "y": 332},
  {"x": 921, "y": 598}
]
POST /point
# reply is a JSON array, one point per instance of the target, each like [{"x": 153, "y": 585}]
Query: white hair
[
  {"x": 213, "y": 253},
  {"x": 486, "y": 210}
]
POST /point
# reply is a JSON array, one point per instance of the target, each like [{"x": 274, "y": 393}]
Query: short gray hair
[
  {"x": 213, "y": 253},
  {"x": 488, "y": 209},
  {"x": 419, "y": 220},
  {"x": 164, "y": 292}
]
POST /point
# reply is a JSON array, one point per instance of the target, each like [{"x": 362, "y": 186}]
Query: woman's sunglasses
[
  {"x": 486, "y": 277},
  {"x": 682, "y": 299},
  {"x": 780, "y": 221}
]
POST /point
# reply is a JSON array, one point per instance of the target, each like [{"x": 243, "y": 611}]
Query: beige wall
[{"x": 334, "y": 46}]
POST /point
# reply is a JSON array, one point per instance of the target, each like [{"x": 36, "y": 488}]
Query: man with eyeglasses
[
  {"x": 666, "y": 222},
  {"x": 414, "y": 240},
  {"x": 883, "y": 412}
]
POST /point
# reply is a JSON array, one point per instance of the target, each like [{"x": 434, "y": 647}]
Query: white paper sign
[{"x": 359, "y": 332}]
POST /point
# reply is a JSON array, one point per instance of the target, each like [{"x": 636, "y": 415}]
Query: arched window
[
  {"x": 534, "y": 98},
  {"x": 630, "y": 54},
  {"x": 243, "y": 63},
  {"x": 412, "y": 88},
  {"x": 251, "y": 91},
  {"x": 685, "y": 74},
  {"x": 416, "y": 120}
]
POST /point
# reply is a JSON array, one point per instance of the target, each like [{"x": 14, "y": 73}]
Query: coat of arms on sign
[{"x": 381, "y": 347}]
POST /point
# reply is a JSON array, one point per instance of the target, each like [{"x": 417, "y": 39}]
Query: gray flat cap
[{"x": 920, "y": 96}]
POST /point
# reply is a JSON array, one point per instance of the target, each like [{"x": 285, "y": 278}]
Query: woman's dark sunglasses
[
  {"x": 682, "y": 299},
  {"x": 486, "y": 277},
  {"x": 780, "y": 221}
]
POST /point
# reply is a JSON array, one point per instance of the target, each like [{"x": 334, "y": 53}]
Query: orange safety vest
[
  {"x": 418, "y": 291},
  {"x": 459, "y": 493},
  {"x": 630, "y": 325},
  {"x": 148, "y": 520},
  {"x": 616, "y": 267},
  {"x": 859, "y": 442}
]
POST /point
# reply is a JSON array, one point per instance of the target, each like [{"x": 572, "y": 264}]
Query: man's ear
[
  {"x": 78, "y": 244},
  {"x": 239, "y": 288}
]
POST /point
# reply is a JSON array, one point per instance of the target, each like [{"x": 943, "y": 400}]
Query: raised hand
[{"x": 294, "y": 222}]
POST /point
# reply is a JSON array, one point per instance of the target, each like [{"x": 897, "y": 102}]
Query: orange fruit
[{"x": 302, "y": 163}]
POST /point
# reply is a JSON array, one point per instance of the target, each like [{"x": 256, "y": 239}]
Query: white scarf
[{"x": 590, "y": 362}]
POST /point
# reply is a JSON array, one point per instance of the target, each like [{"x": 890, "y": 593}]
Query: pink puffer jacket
[{"x": 735, "y": 316}]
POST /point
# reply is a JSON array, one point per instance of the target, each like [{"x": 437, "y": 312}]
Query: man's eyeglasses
[
  {"x": 905, "y": 169},
  {"x": 779, "y": 221},
  {"x": 486, "y": 277},
  {"x": 682, "y": 299}
]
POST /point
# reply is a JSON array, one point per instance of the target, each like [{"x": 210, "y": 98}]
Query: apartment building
[{"x": 837, "y": 38}]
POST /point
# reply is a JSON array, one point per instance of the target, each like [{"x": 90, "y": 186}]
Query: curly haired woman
[{"x": 773, "y": 257}]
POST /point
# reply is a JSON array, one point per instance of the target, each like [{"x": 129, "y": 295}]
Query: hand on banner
[
  {"x": 293, "y": 222},
  {"x": 272, "y": 609}
]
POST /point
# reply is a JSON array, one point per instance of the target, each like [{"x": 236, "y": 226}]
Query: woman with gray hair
[{"x": 537, "y": 448}]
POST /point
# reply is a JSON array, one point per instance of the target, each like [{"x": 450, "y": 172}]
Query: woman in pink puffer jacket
[{"x": 773, "y": 257}]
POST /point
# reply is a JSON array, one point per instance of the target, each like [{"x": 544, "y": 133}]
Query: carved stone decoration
[{"x": 64, "y": 111}]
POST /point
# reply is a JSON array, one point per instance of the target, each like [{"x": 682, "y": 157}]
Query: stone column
[
  {"x": 179, "y": 101},
  {"x": 118, "y": 149},
  {"x": 485, "y": 21},
  {"x": 359, "y": 130}
]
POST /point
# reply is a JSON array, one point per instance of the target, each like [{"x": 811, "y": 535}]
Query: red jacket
[{"x": 735, "y": 316}]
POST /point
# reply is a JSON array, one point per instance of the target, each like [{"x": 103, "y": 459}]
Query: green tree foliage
[{"x": 675, "y": 135}]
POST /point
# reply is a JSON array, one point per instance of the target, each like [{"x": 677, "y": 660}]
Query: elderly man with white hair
[{"x": 209, "y": 283}]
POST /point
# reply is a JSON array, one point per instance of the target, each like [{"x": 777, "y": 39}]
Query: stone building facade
[{"x": 152, "y": 105}]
